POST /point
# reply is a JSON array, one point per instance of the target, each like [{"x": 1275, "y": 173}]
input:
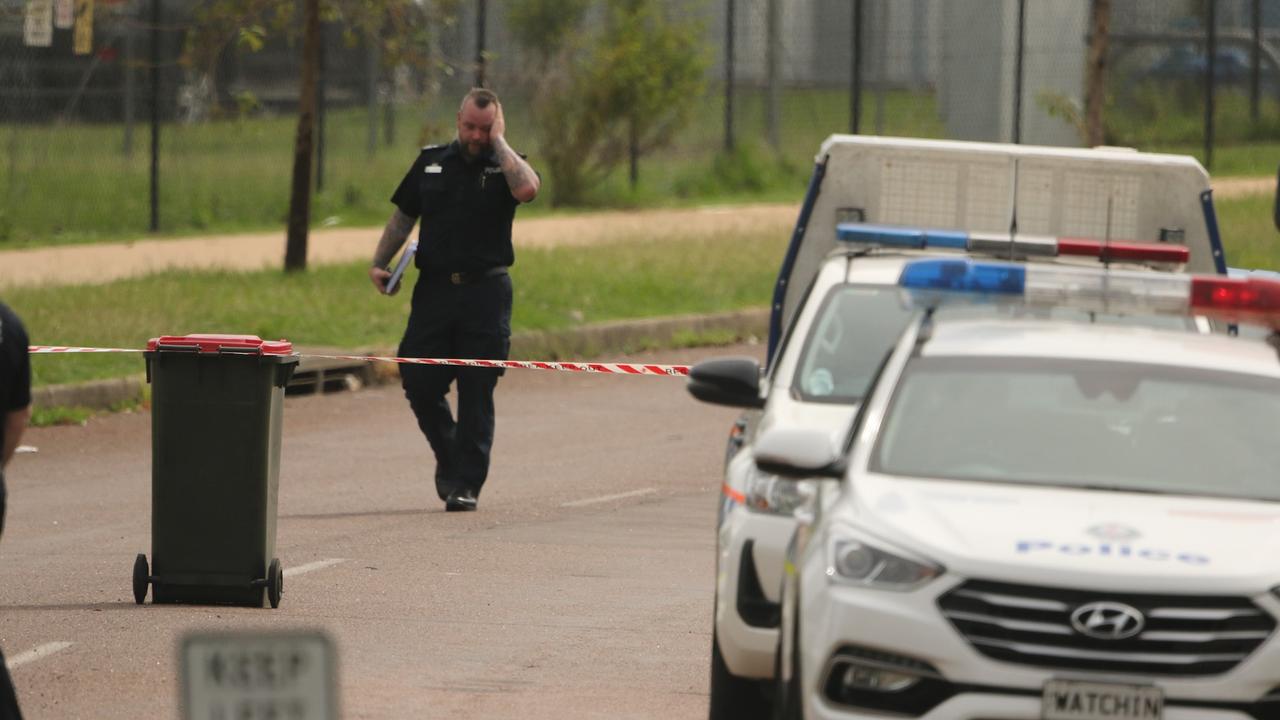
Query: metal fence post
[
  {"x": 728, "y": 75},
  {"x": 371, "y": 92},
  {"x": 882, "y": 61},
  {"x": 155, "y": 115},
  {"x": 855, "y": 79},
  {"x": 1255, "y": 60},
  {"x": 773, "y": 66},
  {"x": 481, "y": 13},
  {"x": 1018, "y": 71},
  {"x": 1211, "y": 51},
  {"x": 130, "y": 58}
]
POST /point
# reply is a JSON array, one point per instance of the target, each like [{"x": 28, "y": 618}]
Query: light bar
[
  {"x": 1124, "y": 251},
  {"x": 902, "y": 237},
  {"x": 1018, "y": 246},
  {"x": 1253, "y": 300},
  {"x": 964, "y": 276}
]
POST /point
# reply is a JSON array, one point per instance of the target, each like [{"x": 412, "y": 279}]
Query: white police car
[
  {"x": 849, "y": 322},
  {"x": 829, "y": 333},
  {"x": 1040, "y": 519}
]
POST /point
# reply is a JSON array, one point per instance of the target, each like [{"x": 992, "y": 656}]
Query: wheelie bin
[{"x": 217, "y": 406}]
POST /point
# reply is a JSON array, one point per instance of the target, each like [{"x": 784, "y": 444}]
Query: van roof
[{"x": 1102, "y": 193}]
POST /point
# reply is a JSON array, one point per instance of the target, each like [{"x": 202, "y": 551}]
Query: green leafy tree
[
  {"x": 395, "y": 24},
  {"x": 546, "y": 27},
  {"x": 400, "y": 28},
  {"x": 622, "y": 90}
]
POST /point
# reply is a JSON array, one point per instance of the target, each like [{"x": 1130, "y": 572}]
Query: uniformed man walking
[
  {"x": 465, "y": 194},
  {"x": 15, "y": 412}
]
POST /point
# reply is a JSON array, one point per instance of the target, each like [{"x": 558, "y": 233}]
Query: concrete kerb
[
  {"x": 581, "y": 343},
  {"x": 94, "y": 395}
]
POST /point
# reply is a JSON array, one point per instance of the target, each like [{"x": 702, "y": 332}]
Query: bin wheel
[
  {"x": 141, "y": 578},
  {"x": 275, "y": 583}
]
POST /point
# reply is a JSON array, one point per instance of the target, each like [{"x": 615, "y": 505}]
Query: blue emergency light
[
  {"x": 962, "y": 275},
  {"x": 1008, "y": 245},
  {"x": 902, "y": 237},
  {"x": 1254, "y": 298}
]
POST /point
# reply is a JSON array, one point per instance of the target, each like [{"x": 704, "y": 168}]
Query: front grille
[{"x": 1184, "y": 635}]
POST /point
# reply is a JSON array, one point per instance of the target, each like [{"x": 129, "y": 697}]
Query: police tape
[
  {"x": 59, "y": 349},
  {"x": 558, "y": 366}
]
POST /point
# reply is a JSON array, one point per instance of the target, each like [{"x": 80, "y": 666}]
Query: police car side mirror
[
  {"x": 795, "y": 453},
  {"x": 733, "y": 381}
]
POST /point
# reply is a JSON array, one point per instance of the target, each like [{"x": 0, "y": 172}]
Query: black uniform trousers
[
  {"x": 471, "y": 320},
  {"x": 8, "y": 697}
]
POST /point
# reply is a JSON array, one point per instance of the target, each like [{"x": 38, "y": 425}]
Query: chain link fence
[{"x": 78, "y": 108}]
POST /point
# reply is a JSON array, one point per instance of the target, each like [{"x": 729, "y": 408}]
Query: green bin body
[{"x": 216, "y": 416}]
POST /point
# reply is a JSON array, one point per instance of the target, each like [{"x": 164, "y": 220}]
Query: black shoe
[
  {"x": 463, "y": 500},
  {"x": 444, "y": 486}
]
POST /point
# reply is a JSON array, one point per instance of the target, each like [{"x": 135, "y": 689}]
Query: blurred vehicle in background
[{"x": 1232, "y": 66}]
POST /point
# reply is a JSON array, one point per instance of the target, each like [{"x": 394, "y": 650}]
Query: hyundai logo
[
  {"x": 1114, "y": 531},
  {"x": 1107, "y": 620}
]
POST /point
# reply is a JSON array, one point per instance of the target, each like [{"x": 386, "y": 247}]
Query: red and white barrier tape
[
  {"x": 60, "y": 349},
  {"x": 581, "y": 367},
  {"x": 613, "y": 368}
]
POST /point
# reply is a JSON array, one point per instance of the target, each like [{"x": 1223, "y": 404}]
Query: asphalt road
[{"x": 581, "y": 588}]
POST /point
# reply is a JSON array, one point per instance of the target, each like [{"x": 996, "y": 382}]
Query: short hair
[{"x": 481, "y": 97}]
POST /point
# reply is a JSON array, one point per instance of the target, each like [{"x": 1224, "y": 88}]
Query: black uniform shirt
[
  {"x": 15, "y": 366},
  {"x": 466, "y": 209}
]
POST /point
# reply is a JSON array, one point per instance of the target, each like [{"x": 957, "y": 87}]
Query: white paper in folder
[{"x": 394, "y": 281}]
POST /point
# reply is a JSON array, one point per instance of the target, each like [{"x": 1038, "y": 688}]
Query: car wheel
[{"x": 733, "y": 697}]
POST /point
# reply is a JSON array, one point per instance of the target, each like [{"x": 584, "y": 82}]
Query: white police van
[
  {"x": 1045, "y": 519},
  {"x": 835, "y": 315}
]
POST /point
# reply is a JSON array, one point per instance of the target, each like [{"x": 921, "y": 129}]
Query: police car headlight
[
  {"x": 854, "y": 562},
  {"x": 771, "y": 494}
]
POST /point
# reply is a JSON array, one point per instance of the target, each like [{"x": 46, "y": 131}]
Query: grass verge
[
  {"x": 335, "y": 306},
  {"x": 556, "y": 288}
]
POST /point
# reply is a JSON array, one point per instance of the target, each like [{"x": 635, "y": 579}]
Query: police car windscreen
[
  {"x": 1126, "y": 426},
  {"x": 856, "y": 326}
]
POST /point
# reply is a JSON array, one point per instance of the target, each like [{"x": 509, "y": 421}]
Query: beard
[{"x": 474, "y": 150}]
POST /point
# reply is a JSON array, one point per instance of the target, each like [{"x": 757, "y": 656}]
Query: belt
[{"x": 467, "y": 278}]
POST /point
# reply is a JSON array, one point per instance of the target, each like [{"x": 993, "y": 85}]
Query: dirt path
[
  {"x": 104, "y": 262},
  {"x": 1242, "y": 187}
]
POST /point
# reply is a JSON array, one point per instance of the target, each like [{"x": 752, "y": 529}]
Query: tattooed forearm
[
  {"x": 521, "y": 178},
  {"x": 393, "y": 237}
]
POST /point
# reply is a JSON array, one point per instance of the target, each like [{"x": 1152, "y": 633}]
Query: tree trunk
[
  {"x": 295, "y": 257},
  {"x": 1096, "y": 74},
  {"x": 633, "y": 153}
]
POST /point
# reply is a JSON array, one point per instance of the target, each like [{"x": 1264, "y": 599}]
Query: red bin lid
[{"x": 213, "y": 343}]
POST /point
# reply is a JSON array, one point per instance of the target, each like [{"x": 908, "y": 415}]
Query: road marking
[
  {"x": 37, "y": 653},
  {"x": 607, "y": 498},
  {"x": 309, "y": 567}
]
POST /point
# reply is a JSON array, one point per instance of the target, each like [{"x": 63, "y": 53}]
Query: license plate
[
  {"x": 252, "y": 676},
  {"x": 1067, "y": 700}
]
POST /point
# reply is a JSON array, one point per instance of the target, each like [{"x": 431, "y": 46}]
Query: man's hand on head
[
  {"x": 498, "y": 130},
  {"x": 521, "y": 178}
]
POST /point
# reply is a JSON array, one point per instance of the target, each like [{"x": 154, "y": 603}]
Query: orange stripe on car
[{"x": 732, "y": 494}]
